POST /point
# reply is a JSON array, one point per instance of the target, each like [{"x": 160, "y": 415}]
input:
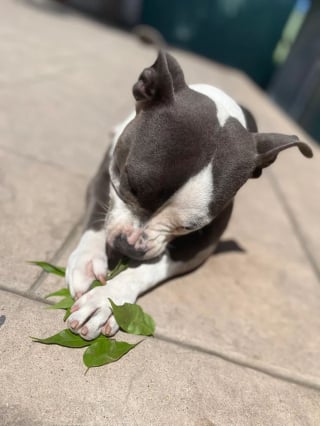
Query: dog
[{"x": 164, "y": 192}]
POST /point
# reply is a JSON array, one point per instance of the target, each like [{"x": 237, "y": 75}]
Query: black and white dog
[{"x": 164, "y": 192}]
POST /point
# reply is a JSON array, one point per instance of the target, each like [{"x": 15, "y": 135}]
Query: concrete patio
[{"x": 237, "y": 341}]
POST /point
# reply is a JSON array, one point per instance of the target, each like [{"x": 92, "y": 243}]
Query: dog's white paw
[
  {"x": 92, "y": 314},
  {"x": 87, "y": 263}
]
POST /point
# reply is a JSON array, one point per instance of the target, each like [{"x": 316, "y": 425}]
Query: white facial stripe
[
  {"x": 195, "y": 195},
  {"x": 190, "y": 204},
  {"x": 226, "y": 106}
]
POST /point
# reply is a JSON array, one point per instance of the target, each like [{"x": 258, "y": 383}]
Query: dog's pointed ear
[
  {"x": 160, "y": 81},
  {"x": 268, "y": 146}
]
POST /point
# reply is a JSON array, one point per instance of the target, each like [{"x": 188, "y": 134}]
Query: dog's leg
[
  {"x": 89, "y": 260},
  {"x": 92, "y": 314}
]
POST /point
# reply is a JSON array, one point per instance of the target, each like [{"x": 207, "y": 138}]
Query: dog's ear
[
  {"x": 268, "y": 146},
  {"x": 160, "y": 81}
]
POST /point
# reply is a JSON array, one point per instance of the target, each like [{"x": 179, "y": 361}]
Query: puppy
[{"x": 164, "y": 192}]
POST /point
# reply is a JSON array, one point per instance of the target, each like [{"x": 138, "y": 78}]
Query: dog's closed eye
[
  {"x": 133, "y": 189},
  {"x": 185, "y": 229}
]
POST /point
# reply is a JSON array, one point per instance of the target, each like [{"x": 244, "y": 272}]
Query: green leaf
[
  {"x": 96, "y": 283},
  {"x": 101, "y": 350},
  {"x": 120, "y": 267},
  {"x": 67, "y": 314},
  {"x": 65, "y": 303},
  {"x": 104, "y": 351},
  {"x": 57, "y": 270},
  {"x": 65, "y": 338},
  {"x": 132, "y": 319},
  {"x": 62, "y": 292}
]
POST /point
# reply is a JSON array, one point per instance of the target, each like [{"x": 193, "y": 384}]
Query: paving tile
[
  {"x": 44, "y": 42},
  {"x": 40, "y": 205},
  {"x": 295, "y": 178},
  {"x": 58, "y": 118},
  {"x": 78, "y": 111},
  {"x": 156, "y": 383},
  {"x": 21, "y": 44},
  {"x": 77, "y": 89},
  {"x": 298, "y": 187}
]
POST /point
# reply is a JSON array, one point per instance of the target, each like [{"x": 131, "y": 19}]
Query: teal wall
[{"x": 240, "y": 33}]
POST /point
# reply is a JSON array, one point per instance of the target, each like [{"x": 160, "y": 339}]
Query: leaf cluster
[{"x": 102, "y": 350}]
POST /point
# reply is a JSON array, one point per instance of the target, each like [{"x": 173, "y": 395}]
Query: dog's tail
[{"x": 150, "y": 35}]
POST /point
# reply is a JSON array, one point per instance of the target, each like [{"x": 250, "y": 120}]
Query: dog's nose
[{"x": 121, "y": 244}]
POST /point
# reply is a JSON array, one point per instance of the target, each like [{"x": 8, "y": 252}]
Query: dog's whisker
[
  {"x": 98, "y": 221},
  {"x": 104, "y": 206}
]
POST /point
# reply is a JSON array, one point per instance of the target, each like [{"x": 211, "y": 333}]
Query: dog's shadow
[
  {"x": 224, "y": 246},
  {"x": 227, "y": 246}
]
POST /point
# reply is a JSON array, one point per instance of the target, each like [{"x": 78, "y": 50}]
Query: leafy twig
[{"x": 100, "y": 351}]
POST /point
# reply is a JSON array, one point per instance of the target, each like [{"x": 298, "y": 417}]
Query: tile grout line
[
  {"x": 236, "y": 358},
  {"x": 36, "y": 284},
  {"x": 239, "y": 359},
  {"x": 26, "y": 295},
  {"x": 294, "y": 223},
  {"x": 57, "y": 166}
]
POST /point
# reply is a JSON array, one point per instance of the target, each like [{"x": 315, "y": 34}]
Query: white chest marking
[
  {"x": 226, "y": 106},
  {"x": 190, "y": 204}
]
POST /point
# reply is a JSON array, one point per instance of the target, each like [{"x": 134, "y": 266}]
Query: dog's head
[{"x": 175, "y": 167}]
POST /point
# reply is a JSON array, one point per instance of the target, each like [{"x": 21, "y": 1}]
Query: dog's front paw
[
  {"x": 87, "y": 263},
  {"x": 92, "y": 314}
]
